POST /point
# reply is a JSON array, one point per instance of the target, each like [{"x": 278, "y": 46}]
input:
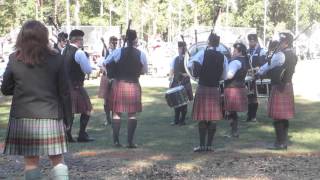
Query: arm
[
  {"x": 7, "y": 87},
  {"x": 113, "y": 56},
  {"x": 82, "y": 59},
  {"x": 64, "y": 94},
  {"x": 277, "y": 60},
  {"x": 196, "y": 58},
  {"x": 144, "y": 62},
  {"x": 233, "y": 67},
  {"x": 225, "y": 69}
]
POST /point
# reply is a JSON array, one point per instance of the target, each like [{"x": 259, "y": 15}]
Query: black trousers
[{"x": 180, "y": 114}]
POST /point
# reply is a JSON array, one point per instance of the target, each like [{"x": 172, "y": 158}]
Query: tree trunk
[
  {"x": 76, "y": 13},
  {"x": 68, "y": 15}
]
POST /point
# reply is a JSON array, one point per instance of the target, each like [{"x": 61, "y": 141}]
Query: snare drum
[{"x": 177, "y": 96}]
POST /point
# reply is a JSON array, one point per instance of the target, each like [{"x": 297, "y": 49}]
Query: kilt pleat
[
  {"x": 35, "y": 137},
  {"x": 235, "y": 99},
  {"x": 281, "y": 102},
  {"x": 207, "y": 104},
  {"x": 80, "y": 100},
  {"x": 125, "y": 97},
  {"x": 103, "y": 89}
]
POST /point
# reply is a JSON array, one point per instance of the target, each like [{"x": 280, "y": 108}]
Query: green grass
[{"x": 154, "y": 133}]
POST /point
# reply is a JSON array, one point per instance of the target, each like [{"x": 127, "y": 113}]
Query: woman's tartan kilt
[
  {"x": 281, "y": 102},
  {"x": 235, "y": 99},
  {"x": 207, "y": 104},
  {"x": 35, "y": 137},
  {"x": 125, "y": 97}
]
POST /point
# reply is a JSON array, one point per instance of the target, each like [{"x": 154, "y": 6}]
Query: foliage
[{"x": 159, "y": 16}]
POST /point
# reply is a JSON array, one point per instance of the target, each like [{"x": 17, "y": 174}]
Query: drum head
[{"x": 175, "y": 89}]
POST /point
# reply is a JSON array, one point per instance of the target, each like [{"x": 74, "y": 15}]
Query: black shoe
[
  {"x": 251, "y": 120},
  {"x": 84, "y": 137},
  {"x": 209, "y": 148},
  {"x": 199, "y": 149},
  {"x": 117, "y": 144},
  {"x": 173, "y": 123},
  {"x": 278, "y": 147},
  {"x": 69, "y": 138},
  {"x": 131, "y": 146},
  {"x": 182, "y": 124}
]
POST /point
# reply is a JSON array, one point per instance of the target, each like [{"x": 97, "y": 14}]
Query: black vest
[
  {"x": 283, "y": 74},
  {"x": 257, "y": 59},
  {"x": 74, "y": 71},
  {"x": 129, "y": 66},
  {"x": 238, "y": 79},
  {"x": 211, "y": 69},
  {"x": 178, "y": 68}
]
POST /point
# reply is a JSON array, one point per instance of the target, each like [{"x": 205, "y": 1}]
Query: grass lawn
[{"x": 165, "y": 152}]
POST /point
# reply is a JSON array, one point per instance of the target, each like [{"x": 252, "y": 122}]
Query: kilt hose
[
  {"x": 281, "y": 102},
  {"x": 235, "y": 99},
  {"x": 104, "y": 87},
  {"x": 125, "y": 97},
  {"x": 207, "y": 104},
  {"x": 81, "y": 103},
  {"x": 35, "y": 137}
]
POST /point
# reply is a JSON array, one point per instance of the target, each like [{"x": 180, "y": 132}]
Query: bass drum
[{"x": 200, "y": 46}]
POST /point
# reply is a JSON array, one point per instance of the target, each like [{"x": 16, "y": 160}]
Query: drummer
[
  {"x": 257, "y": 58},
  {"x": 235, "y": 92},
  {"x": 210, "y": 66},
  {"x": 180, "y": 77}
]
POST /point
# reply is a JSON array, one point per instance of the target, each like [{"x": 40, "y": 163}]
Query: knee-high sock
[
  {"x": 202, "y": 132},
  {"x": 276, "y": 125},
  {"x": 184, "y": 110},
  {"x": 211, "y": 132},
  {"x": 285, "y": 127},
  {"x": 60, "y": 172},
  {"x": 69, "y": 134},
  {"x": 116, "y": 124},
  {"x": 84, "y": 119},
  {"x": 108, "y": 114},
  {"x": 132, "y": 125},
  {"x": 234, "y": 123},
  {"x": 252, "y": 110},
  {"x": 176, "y": 115}
]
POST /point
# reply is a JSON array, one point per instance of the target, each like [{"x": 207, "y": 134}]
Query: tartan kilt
[
  {"x": 125, "y": 97},
  {"x": 207, "y": 104},
  {"x": 103, "y": 89},
  {"x": 281, "y": 102},
  {"x": 35, "y": 137},
  {"x": 80, "y": 100},
  {"x": 235, "y": 99}
]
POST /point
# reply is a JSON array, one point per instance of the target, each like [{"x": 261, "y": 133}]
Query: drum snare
[{"x": 177, "y": 96}]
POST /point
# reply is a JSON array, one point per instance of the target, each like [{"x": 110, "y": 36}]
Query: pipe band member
[
  {"x": 62, "y": 41},
  {"x": 257, "y": 57},
  {"x": 281, "y": 101},
  {"x": 77, "y": 66},
  {"x": 235, "y": 92},
  {"x": 128, "y": 63},
  {"x": 105, "y": 81},
  {"x": 211, "y": 66},
  {"x": 180, "y": 77}
]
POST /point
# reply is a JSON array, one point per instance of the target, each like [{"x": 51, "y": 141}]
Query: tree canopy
[{"x": 161, "y": 16}]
